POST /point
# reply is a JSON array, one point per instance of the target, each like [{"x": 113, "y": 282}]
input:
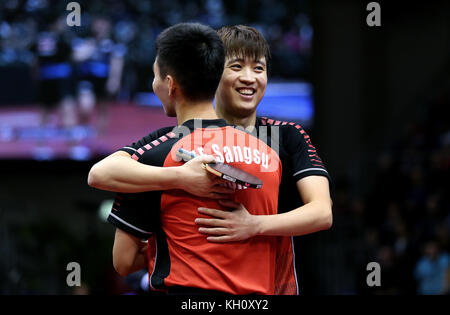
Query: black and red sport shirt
[{"x": 179, "y": 254}]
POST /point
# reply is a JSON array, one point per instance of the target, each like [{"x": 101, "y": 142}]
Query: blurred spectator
[
  {"x": 432, "y": 271},
  {"x": 99, "y": 65},
  {"x": 54, "y": 72}
]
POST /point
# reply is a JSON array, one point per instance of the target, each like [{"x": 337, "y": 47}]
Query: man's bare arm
[
  {"x": 118, "y": 172},
  {"x": 129, "y": 253},
  {"x": 315, "y": 215}
]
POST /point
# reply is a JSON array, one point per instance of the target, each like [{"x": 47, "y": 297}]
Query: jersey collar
[{"x": 205, "y": 123}]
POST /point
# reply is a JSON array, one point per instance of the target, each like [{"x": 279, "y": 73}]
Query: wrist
[
  {"x": 175, "y": 178},
  {"x": 258, "y": 223}
]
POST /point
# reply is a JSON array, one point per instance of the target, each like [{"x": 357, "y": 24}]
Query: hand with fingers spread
[
  {"x": 228, "y": 226},
  {"x": 199, "y": 182}
]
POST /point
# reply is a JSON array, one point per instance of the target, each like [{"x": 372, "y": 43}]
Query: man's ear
[{"x": 171, "y": 84}]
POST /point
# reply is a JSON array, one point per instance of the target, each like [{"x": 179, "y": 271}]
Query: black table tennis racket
[{"x": 225, "y": 171}]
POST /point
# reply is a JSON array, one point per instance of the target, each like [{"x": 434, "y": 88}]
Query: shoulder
[
  {"x": 286, "y": 126},
  {"x": 290, "y": 134},
  {"x": 156, "y": 135},
  {"x": 162, "y": 131}
]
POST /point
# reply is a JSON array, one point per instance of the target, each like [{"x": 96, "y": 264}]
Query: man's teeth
[{"x": 246, "y": 91}]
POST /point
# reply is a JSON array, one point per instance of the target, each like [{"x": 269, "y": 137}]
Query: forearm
[
  {"x": 312, "y": 217},
  {"x": 315, "y": 215},
  {"x": 238, "y": 224},
  {"x": 121, "y": 173}
]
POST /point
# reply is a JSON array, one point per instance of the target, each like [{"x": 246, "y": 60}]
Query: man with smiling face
[
  {"x": 241, "y": 88},
  {"x": 304, "y": 203}
]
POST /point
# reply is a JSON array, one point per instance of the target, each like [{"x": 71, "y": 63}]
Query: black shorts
[
  {"x": 52, "y": 91},
  {"x": 97, "y": 84}
]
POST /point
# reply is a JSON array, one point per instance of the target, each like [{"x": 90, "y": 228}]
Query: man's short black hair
[
  {"x": 194, "y": 55},
  {"x": 242, "y": 41}
]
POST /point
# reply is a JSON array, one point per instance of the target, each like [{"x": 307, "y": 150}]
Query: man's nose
[{"x": 247, "y": 76}]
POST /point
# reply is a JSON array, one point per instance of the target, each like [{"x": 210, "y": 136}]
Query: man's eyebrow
[
  {"x": 260, "y": 62},
  {"x": 242, "y": 60},
  {"x": 235, "y": 60}
]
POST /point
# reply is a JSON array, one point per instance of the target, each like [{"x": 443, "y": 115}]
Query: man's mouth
[{"x": 246, "y": 91}]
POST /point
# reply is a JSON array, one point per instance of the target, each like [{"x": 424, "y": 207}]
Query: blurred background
[{"x": 372, "y": 99}]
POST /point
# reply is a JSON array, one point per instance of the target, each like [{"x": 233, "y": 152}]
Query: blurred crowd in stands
[
  {"x": 405, "y": 219},
  {"x": 73, "y": 75},
  {"x": 111, "y": 53}
]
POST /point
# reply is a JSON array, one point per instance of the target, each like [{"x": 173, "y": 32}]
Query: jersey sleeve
[
  {"x": 132, "y": 148},
  {"x": 132, "y": 213},
  {"x": 305, "y": 158}
]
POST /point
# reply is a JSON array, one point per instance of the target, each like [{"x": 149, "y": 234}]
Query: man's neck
[
  {"x": 247, "y": 122},
  {"x": 195, "y": 110}
]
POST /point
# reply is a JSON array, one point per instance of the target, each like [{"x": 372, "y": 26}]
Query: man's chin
[{"x": 244, "y": 110}]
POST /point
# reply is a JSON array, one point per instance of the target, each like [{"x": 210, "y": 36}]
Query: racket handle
[{"x": 185, "y": 154}]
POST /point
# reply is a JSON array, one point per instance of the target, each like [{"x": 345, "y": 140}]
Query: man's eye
[
  {"x": 259, "y": 68},
  {"x": 236, "y": 66}
]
